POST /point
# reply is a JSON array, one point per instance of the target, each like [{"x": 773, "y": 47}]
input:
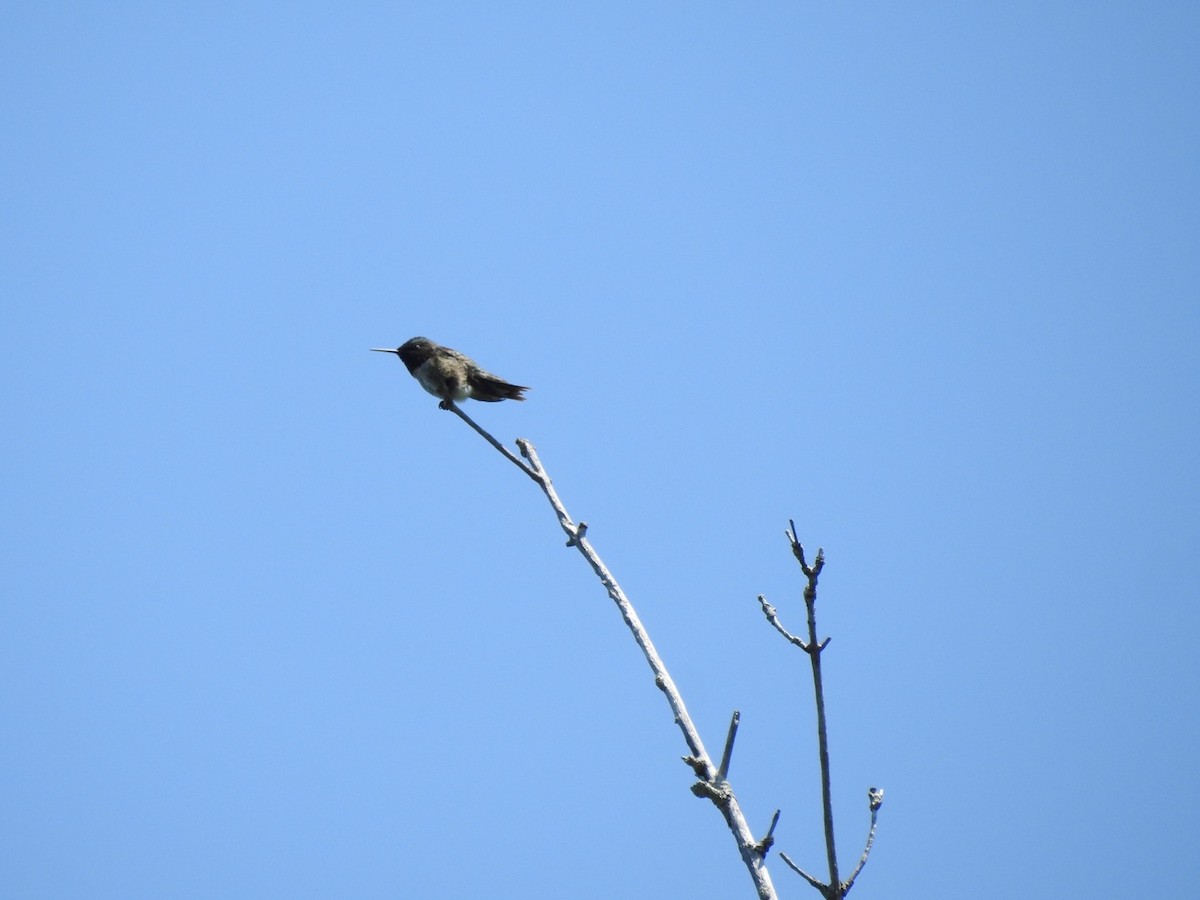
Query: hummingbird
[{"x": 451, "y": 375}]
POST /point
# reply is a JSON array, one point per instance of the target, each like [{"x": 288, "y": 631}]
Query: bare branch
[
  {"x": 711, "y": 784},
  {"x": 579, "y": 540}
]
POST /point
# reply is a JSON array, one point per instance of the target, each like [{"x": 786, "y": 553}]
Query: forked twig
[{"x": 834, "y": 889}]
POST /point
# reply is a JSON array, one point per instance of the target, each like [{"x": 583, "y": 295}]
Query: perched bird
[{"x": 451, "y": 375}]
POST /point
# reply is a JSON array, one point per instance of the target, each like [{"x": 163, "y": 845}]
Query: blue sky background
[{"x": 923, "y": 277}]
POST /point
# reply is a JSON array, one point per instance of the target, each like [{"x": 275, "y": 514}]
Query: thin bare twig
[
  {"x": 768, "y": 840},
  {"x": 723, "y": 771},
  {"x": 815, "y": 882},
  {"x": 508, "y": 454},
  {"x": 773, "y": 617},
  {"x": 875, "y": 799}
]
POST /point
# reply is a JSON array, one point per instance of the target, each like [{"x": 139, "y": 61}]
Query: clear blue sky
[{"x": 924, "y": 278}]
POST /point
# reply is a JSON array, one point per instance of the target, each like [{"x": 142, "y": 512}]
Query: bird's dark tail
[{"x": 491, "y": 389}]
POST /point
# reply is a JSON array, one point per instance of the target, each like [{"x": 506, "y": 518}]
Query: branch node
[
  {"x": 720, "y": 794},
  {"x": 580, "y": 531},
  {"x": 699, "y": 766}
]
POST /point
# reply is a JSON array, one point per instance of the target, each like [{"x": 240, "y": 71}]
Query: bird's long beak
[{"x": 385, "y": 350}]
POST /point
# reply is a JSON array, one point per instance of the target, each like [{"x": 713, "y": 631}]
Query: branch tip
[
  {"x": 723, "y": 771},
  {"x": 768, "y": 841}
]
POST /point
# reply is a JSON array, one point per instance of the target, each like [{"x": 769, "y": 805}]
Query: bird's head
[
  {"x": 418, "y": 346},
  {"x": 413, "y": 352}
]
